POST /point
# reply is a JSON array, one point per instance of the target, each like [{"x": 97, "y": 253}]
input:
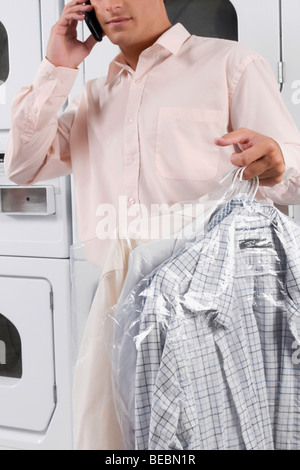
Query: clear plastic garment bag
[{"x": 203, "y": 347}]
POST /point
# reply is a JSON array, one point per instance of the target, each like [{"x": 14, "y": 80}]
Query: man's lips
[{"x": 118, "y": 21}]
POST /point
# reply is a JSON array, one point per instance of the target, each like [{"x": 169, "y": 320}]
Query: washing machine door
[
  {"x": 4, "y": 59},
  {"x": 209, "y": 18},
  {"x": 15, "y": 18},
  {"x": 27, "y": 373}
]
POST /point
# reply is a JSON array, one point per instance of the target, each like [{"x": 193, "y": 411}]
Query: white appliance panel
[
  {"x": 35, "y": 220},
  {"x": 28, "y": 402},
  {"x": 291, "y": 67},
  {"x": 259, "y": 28},
  {"x": 21, "y": 20},
  {"x": 36, "y": 404},
  {"x": 290, "y": 52}
]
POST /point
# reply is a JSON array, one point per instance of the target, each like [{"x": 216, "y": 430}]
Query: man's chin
[{"x": 119, "y": 40}]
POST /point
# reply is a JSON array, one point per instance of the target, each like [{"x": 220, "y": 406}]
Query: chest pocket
[{"x": 185, "y": 148}]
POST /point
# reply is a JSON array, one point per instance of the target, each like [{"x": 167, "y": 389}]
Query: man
[{"x": 173, "y": 114}]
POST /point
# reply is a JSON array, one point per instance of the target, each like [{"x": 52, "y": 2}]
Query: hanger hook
[{"x": 242, "y": 172}]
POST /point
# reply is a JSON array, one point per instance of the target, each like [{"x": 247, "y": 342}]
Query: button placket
[
  {"x": 131, "y": 201},
  {"x": 131, "y": 141}
]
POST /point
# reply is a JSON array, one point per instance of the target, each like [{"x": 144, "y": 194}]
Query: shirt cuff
[
  {"x": 63, "y": 76},
  {"x": 291, "y": 159},
  {"x": 288, "y": 191}
]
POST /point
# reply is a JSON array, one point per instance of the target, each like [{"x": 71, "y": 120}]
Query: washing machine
[
  {"x": 35, "y": 358},
  {"x": 35, "y": 274}
]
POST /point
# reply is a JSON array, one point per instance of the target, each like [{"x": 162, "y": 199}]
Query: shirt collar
[
  {"x": 171, "y": 40},
  {"x": 218, "y": 258}
]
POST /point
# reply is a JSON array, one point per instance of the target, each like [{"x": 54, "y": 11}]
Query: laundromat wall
[{"x": 38, "y": 224}]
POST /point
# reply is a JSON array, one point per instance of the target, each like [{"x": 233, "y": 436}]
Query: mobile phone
[{"x": 93, "y": 24}]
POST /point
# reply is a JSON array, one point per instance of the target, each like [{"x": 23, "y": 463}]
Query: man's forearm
[{"x": 34, "y": 136}]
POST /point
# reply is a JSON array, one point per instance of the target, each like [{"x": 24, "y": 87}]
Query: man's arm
[
  {"x": 266, "y": 138},
  {"x": 38, "y": 143}
]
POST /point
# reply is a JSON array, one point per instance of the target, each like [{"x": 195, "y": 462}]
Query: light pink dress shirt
[{"x": 148, "y": 135}]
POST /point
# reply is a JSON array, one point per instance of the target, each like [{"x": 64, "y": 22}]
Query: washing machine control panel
[
  {"x": 36, "y": 219},
  {"x": 25, "y": 200}
]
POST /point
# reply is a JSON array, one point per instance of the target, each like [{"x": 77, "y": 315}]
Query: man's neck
[{"x": 132, "y": 54}]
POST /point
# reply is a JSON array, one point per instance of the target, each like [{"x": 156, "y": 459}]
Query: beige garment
[{"x": 95, "y": 419}]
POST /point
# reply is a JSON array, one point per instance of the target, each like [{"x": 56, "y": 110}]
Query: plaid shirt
[
  {"x": 214, "y": 363},
  {"x": 127, "y": 316}
]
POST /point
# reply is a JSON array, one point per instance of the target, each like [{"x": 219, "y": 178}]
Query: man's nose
[{"x": 112, "y": 5}]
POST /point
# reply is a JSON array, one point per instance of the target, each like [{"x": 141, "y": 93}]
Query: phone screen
[{"x": 93, "y": 24}]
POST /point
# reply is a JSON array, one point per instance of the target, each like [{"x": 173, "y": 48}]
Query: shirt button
[
  {"x": 131, "y": 201},
  {"x": 131, "y": 119}
]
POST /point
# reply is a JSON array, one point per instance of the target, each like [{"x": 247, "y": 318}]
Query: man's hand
[
  {"x": 64, "y": 49},
  {"x": 260, "y": 154}
]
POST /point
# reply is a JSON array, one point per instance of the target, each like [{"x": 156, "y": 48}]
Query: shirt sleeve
[
  {"x": 258, "y": 105},
  {"x": 38, "y": 143}
]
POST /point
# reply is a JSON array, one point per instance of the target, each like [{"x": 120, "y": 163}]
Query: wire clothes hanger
[
  {"x": 231, "y": 186},
  {"x": 246, "y": 189}
]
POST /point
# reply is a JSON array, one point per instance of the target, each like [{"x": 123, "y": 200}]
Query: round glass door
[
  {"x": 4, "y": 59},
  {"x": 10, "y": 350},
  {"x": 209, "y": 18}
]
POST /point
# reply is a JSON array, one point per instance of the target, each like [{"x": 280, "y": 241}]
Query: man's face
[{"x": 129, "y": 22}]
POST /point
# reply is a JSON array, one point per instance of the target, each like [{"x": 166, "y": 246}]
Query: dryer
[
  {"x": 35, "y": 358},
  {"x": 35, "y": 278}
]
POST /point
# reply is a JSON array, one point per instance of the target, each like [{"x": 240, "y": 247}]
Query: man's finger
[
  {"x": 250, "y": 155},
  {"x": 239, "y": 136},
  {"x": 260, "y": 168}
]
